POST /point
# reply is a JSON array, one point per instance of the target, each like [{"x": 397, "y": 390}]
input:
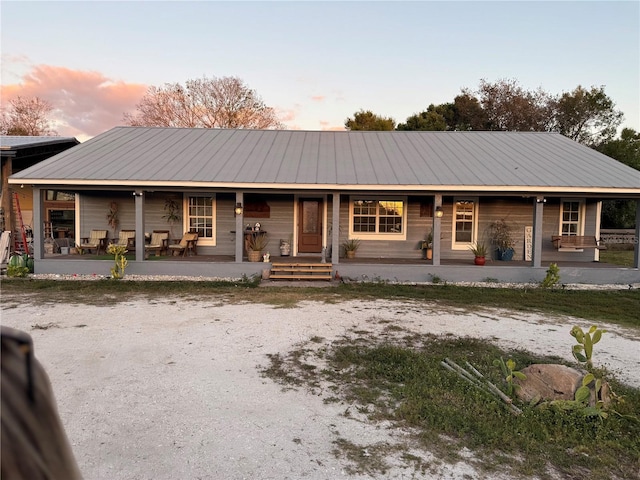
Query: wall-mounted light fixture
[
  {"x": 238, "y": 209},
  {"x": 541, "y": 200},
  {"x": 439, "y": 212},
  {"x": 137, "y": 194}
]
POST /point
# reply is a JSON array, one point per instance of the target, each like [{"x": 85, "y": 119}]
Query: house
[
  {"x": 389, "y": 190},
  {"x": 19, "y": 153}
]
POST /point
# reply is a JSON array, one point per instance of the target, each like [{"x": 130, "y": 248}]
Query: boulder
[{"x": 547, "y": 382}]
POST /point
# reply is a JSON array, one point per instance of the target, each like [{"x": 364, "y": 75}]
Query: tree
[
  {"x": 430, "y": 120},
  {"x": 205, "y": 103},
  {"x": 369, "y": 121},
  {"x": 509, "y": 107},
  {"x": 626, "y": 149},
  {"x": 587, "y": 116},
  {"x": 27, "y": 116}
]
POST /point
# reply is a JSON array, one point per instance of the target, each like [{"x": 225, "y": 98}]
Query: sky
[{"x": 315, "y": 63}]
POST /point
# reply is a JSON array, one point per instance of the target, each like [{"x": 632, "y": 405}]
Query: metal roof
[
  {"x": 10, "y": 142},
  {"x": 409, "y": 161}
]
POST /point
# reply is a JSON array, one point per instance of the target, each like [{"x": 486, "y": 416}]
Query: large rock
[{"x": 549, "y": 382}]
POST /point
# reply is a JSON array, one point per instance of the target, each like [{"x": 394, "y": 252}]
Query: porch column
[
  {"x": 538, "y": 210},
  {"x": 239, "y": 228},
  {"x": 38, "y": 225},
  {"x": 437, "y": 229},
  {"x": 636, "y": 243},
  {"x": 139, "y": 205},
  {"x": 335, "y": 229}
]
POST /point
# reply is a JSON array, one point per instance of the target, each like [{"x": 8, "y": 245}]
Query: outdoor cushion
[{"x": 96, "y": 240}]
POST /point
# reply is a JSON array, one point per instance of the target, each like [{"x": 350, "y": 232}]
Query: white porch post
[
  {"x": 139, "y": 205},
  {"x": 538, "y": 210},
  {"x": 437, "y": 229},
  {"x": 239, "y": 228},
  {"x": 636, "y": 246},
  {"x": 335, "y": 229},
  {"x": 38, "y": 224}
]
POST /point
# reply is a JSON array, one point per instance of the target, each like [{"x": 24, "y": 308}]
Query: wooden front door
[{"x": 310, "y": 225}]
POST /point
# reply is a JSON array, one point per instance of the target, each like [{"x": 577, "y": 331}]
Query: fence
[{"x": 618, "y": 236}]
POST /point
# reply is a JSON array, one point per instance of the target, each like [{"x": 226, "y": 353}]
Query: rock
[{"x": 549, "y": 382}]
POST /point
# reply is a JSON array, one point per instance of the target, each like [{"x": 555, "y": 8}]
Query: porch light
[
  {"x": 439, "y": 212},
  {"x": 238, "y": 209}
]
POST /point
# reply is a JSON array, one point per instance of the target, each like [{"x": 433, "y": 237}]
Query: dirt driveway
[{"x": 172, "y": 389}]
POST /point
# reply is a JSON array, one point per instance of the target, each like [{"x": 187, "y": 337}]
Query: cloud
[
  {"x": 318, "y": 98},
  {"x": 85, "y": 103}
]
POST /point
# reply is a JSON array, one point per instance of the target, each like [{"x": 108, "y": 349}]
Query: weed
[{"x": 552, "y": 278}]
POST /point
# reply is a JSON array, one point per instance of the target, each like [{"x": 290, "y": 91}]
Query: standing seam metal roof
[{"x": 290, "y": 158}]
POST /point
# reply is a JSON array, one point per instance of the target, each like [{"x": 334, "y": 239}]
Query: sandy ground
[{"x": 172, "y": 389}]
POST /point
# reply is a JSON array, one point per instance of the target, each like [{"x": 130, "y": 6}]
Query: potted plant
[
  {"x": 426, "y": 246},
  {"x": 501, "y": 238},
  {"x": 113, "y": 217},
  {"x": 255, "y": 244},
  {"x": 351, "y": 247},
  {"x": 479, "y": 250},
  {"x": 285, "y": 247},
  {"x": 171, "y": 210}
]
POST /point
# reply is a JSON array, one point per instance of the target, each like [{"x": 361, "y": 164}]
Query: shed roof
[{"x": 394, "y": 161}]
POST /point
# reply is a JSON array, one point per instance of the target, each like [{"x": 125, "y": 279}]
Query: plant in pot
[
  {"x": 285, "y": 247},
  {"x": 479, "y": 250},
  {"x": 171, "y": 210},
  {"x": 500, "y": 233},
  {"x": 256, "y": 243},
  {"x": 351, "y": 247},
  {"x": 426, "y": 246},
  {"x": 113, "y": 217}
]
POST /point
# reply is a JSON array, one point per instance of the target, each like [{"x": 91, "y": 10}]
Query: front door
[{"x": 310, "y": 225}]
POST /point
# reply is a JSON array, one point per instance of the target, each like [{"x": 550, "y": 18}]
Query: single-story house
[
  {"x": 18, "y": 153},
  {"x": 389, "y": 191}
]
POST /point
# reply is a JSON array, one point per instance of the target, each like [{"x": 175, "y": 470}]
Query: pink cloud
[
  {"x": 85, "y": 103},
  {"x": 327, "y": 127},
  {"x": 318, "y": 98}
]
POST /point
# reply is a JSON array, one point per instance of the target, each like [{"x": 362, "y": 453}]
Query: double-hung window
[
  {"x": 378, "y": 218},
  {"x": 465, "y": 214},
  {"x": 200, "y": 217},
  {"x": 571, "y": 217}
]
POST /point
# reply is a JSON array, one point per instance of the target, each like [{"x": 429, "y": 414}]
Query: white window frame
[
  {"x": 582, "y": 211},
  {"x": 391, "y": 236},
  {"x": 474, "y": 233},
  {"x": 202, "y": 241}
]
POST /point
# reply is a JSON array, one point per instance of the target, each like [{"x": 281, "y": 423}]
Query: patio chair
[
  {"x": 159, "y": 242},
  {"x": 126, "y": 238},
  {"x": 97, "y": 240},
  {"x": 186, "y": 245}
]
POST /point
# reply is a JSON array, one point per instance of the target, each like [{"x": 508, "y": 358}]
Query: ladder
[{"x": 21, "y": 244}]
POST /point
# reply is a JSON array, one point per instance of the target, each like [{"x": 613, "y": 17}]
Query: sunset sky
[{"x": 316, "y": 63}]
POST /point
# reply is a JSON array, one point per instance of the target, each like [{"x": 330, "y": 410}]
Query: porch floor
[{"x": 344, "y": 261}]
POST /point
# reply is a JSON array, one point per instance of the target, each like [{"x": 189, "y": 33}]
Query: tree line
[{"x": 586, "y": 115}]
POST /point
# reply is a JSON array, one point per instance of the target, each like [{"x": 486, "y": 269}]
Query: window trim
[
  {"x": 202, "y": 241},
  {"x": 377, "y": 235},
  {"x": 582, "y": 214},
  {"x": 474, "y": 234}
]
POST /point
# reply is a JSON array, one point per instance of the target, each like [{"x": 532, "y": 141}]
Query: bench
[{"x": 576, "y": 241}]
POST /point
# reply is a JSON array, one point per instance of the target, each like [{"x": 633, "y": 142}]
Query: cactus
[
  {"x": 583, "y": 350},
  {"x": 121, "y": 262}
]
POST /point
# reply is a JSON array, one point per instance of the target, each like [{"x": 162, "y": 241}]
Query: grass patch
[
  {"x": 402, "y": 381},
  {"x": 624, "y": 258},
  {"x": 614, "y": 306}
]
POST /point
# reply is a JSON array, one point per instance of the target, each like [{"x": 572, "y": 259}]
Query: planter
[
  {"x": 428, "y": 254},
  {"x": 254, "y": 255},
  {"x": 350, "y": 253},
  {"x": 285, "y": 248},
  {"x": 479, "y": 260},
  {"x": 506, "y": 255}
]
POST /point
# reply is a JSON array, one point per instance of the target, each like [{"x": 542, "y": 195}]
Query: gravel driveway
[{"x": 172, "y": 389}]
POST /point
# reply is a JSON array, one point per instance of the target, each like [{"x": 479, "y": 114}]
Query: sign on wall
[{"x": 528, "y": 243}]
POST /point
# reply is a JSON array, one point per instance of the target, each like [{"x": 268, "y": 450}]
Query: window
[
  {"x": 377, "y": 218},
  {"x": 200, "y": 218},
  {"x": 465, "y": 215},
  {"x": 571, "y": 217}
]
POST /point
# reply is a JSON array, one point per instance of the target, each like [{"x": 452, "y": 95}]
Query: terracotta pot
[
  {"x": 479, "y": 261},
  {"x": 429, "y": 254},
  {"x": 350, "y": 253}
]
